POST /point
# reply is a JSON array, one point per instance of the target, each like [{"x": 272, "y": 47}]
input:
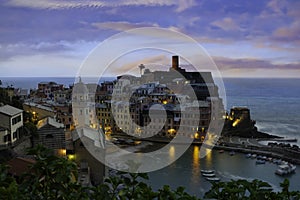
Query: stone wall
[{"x": 20, "y": 148}]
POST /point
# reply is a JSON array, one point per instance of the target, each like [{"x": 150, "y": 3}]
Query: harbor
[
  {"x": 225, "y": 167},
  {"x": 236, "y": 144}
]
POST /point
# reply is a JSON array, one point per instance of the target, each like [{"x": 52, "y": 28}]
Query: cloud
[
  {"x": 193, "y": 20},
  {"x": 47, "y": 4},
  {"x": 40, "y": 65},
  {"x": 131, "y": 67},
  {"x": 252, "y": 64},
  {"x": 251, "y": 67},
  {"x": 288, "y": 33},
  {"x": 75, "y": 49},
  {"x": 276, "y": 6},
  {"x": 227, "y": 24},
  {"x": 121, "y": 25},
  {"x": 65, "y": 4},
  {"x": 185, "y": 4}
]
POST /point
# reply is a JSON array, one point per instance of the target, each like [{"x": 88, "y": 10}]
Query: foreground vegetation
[{"x": 52, "y": 177}]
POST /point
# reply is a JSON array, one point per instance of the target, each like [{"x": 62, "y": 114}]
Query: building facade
[{"x": 11, "y": 125}]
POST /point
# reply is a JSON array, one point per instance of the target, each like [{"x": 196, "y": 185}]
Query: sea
[{"x": 274, "y": 105}]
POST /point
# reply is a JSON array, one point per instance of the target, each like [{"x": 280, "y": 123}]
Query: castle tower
[{"x": 175, "y": 62}]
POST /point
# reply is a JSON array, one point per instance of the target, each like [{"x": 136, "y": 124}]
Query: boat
[
  {"x": 264, "y": 158},
  {"x": 285, "y": 169},
  {"x": 270, "y": 159},
  {"x": 248, "y": 155},
  {"x": 253, "y": 156},
  {"x": 207, "y": 171},
  {"x": 221, "y": 151},
  {"x": 231, "y": 153},
  {"x": 208, "y": 175},
  {"x": 283, "y": 163},
  {"x": 215, "y": 179},
  {"x": 277, "y": 161},
  {"x": 259, "y": 162}
]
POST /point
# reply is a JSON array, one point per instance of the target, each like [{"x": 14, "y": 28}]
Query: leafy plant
[{"x": 54, "y": 177}]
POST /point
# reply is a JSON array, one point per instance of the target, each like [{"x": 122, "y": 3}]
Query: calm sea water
[
  {"x": 274, "y": 104},
  {"x": 186, "y": 172}
]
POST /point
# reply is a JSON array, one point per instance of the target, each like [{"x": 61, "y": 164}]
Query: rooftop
[
  {"x": 240, "y": 108},
  {"x": 10, "y": 110},
  {"x": 39, "y": 106},
  {"x": 19, "y": 165},
  {"x": 50, "y": 121}
]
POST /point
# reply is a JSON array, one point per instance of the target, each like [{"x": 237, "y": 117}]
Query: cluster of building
[
  {"x": 161, "y": 103},
  {"x": 125, "y": 105}
]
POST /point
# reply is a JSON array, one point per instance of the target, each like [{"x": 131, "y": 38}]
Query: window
[
  {"x": 16, "y": 120},
  {"x": 7, "y": 138}
]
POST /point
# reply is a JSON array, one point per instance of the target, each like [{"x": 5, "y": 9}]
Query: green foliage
[
  {"x": 31, "y": 127},
  {"x": 8, "y": 185},
  {"x": 243, "y": 189},
  {"x": 124, "y": 186},
  {"x": 5, "y": 98},
  {"x": 53, "y": 177},
  {"x": 167, "y": 193},
  {"x": 50, "y": 177}
]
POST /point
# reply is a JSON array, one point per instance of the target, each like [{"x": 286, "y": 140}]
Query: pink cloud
[{"x": 227, "y": 24}]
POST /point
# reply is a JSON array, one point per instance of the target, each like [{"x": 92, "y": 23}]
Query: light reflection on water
[
  {"x": 208, "y": 157},
  {"x": 196, "y": 165},
  {"x": 172, "y": 153},
  {"x": 186, "y": 171}
]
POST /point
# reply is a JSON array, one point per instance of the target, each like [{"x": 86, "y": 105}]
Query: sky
[{"x": 257, "y": 38}]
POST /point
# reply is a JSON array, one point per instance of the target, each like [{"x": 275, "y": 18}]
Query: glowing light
[
  {"x": 71, "y": 157},
  {"x": 202, "y": 138},
  {"x": 107, "y": 130},
  {"x": 196, "y": 157},
  {"x": 236, "y": 122},
  {"x": 172, "y": 131},
  {"x": 196, "y": 136},
  {"x": 165, "y": 102},
  {"x": 196, "y": 164},
  {"x": 62, "y": 152}
]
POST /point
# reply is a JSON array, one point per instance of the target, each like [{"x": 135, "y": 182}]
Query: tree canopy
[{"x": 52, "y": 177}]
